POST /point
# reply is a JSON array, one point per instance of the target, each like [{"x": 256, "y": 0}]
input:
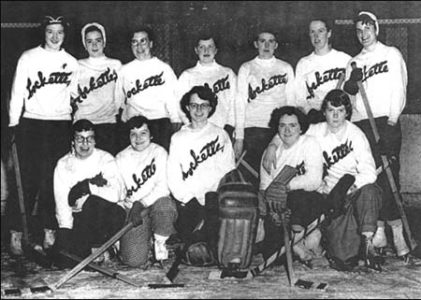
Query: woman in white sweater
[
  {"x": 263, "y": 84},
  {"x": 302, "y": 152},
  {"x": 40, "y": 110},
  {"x": 87, "y": 187},
  {"x": 143, "y": 166},
  {"x": 96, "y": 84},
  {"x": 200, "y": 155},
  {"x": 319, "y": 72}
]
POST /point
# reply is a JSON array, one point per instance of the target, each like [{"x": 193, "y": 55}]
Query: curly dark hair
[
  {"x": 137, "y": 122},
  {"x": 204, "y": 92},
  {"x": 337, "y": 98},
  {"x": 288, "y": 110},
  {"x": 83, "y": 125}
]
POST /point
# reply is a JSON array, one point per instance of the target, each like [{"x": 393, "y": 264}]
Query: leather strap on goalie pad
[{"x": 238, "y": 215}]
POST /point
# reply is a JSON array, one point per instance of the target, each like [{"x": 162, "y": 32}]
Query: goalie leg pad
[{"x": 238, "y": 215}]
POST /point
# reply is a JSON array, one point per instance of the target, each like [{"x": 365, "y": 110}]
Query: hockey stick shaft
[
  {"x": 384, "y": 160},
  {"x": 94, "y": 255},
  {"x": 21, "y": 198},
  {"x": 102, "y": 270}
]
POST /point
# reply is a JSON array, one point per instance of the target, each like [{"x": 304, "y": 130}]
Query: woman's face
[
  {"x": 54, "y": 37},
  {"x": 289, "y": 130},
  {"x": 319, "y": 35},
  {"x": 94, "y": 43}
]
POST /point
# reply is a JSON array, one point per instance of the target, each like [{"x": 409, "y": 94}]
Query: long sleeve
[
  {"x": 70, "y": 170},
  {"x": 175, "y": 174},
  {"x": 300, "y": 86},
  {"x": 18, "y": 94},
  {"x": 290, "y": 94},
  {"x": 197, "y": 161},
  {"x": 310, "y": 171},
  {"x": 144, "y": 174},
  {"x": 172, "y": 103},
  {"x": 399, "y": 81},
  {"x": 183, "y": 86},
  {"x": 112, "y": 190},
  {"x": 61, "y": 191},
  {"x": 306, "y": 156},
  {"x": 366, "y": 168},
  {"x": 241, "y": 101}
]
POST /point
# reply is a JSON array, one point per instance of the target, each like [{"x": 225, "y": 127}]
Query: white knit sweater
[
  {"x": 96, "y": 86},
  {"x": 262, "y": 86},
  {"x": 44, "y": 81}
]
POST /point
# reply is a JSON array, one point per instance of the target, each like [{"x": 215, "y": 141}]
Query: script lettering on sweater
[
  {"x": 328, "y": 75},
  {"x": 378, "y": 68},
  {"x": 145, "y": 175},
  {"x": 154, "y": 80},
  {"x": 54, "y": 78},
  {"x": 220, "y": 85},
  {"x": 209, "y": 150},
  {"x": 336, "y": 155},
  {"x": 96, "y": 83},
  {"x": 272, "y": 82}
]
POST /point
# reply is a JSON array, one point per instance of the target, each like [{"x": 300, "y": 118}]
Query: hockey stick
[
  {"x": 21, "y": 198},
  {"x": 94, "y": 255},
  {"x": 392, "y": 183},
  {"x": 100, "y": 269},
  {"x": 340, "y": 81},
  {"x": 284, "y": 177}
]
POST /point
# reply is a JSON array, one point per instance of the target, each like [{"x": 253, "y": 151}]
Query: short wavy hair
[
  {"x": 204, "y": 92},
  {"x": 337, "y": 98},
  {"x": 82, "y": 125},
  {"x": 137, "y": 122},
  {"x": 288, "y": 110}
]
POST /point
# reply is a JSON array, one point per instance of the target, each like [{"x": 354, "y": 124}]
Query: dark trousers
[
  {"x": 106, "y": 137},
  {"x": 40, "y": 144},
  {"x": 98, "y": 221},
  {"x": 161, "y": 131},
  {"x": 256, "y": 141},
  {"x": 389, "y": 210},
  {"x": 305, "y": 208}
]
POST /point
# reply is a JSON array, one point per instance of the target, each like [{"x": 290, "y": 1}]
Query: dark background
[{"x": 235, "y": 23}]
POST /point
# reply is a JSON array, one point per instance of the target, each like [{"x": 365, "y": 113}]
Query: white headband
[
  {"x": 373, "y": 17},
  {"x": 97, "y": 25}
]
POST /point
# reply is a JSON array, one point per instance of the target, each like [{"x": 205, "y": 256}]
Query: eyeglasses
[
  {"x": 89, "y": 139},
  {"x": 142, "y": 41},
  {"x": 202, "y": 106}
]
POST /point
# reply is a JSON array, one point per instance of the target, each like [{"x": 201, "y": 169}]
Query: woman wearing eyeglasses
[
  {"x": 44, "y": 80},
  {"x": 200, "y": 155},
  {"x": 146, "y": 86},
  {"x": 87, "y": 187},
  {"x": 96, "y": 86}
]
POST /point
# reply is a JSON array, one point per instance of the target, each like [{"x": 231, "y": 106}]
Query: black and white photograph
[{"x": 210, "y": 150}]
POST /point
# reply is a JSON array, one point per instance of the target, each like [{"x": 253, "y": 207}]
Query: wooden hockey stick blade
[
  {"x": 101, "y": 269},
  {"x": 94, "y": 255},
  {"x": 163, "y": 285},
  {"x": 389, "y": 175}
]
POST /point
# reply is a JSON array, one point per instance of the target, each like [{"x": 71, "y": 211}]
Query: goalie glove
[{"x": 276, "y": 193}]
